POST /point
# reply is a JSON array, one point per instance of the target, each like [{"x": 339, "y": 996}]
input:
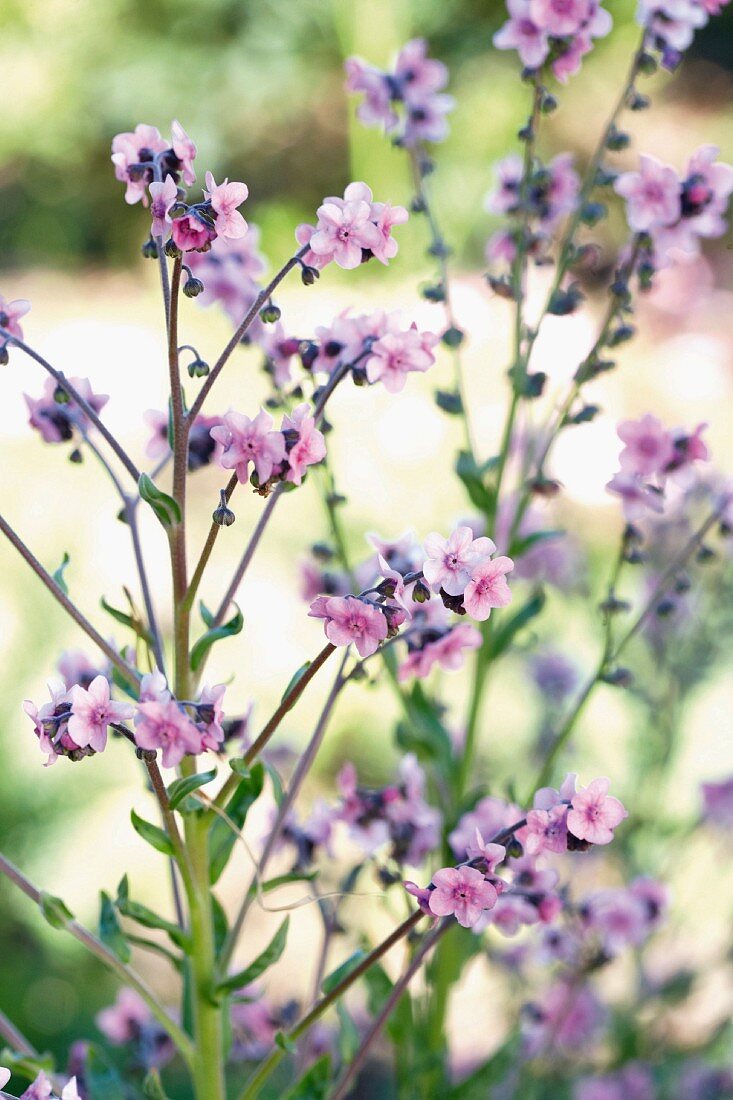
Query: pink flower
[
  {"x": 123, "y": 1021},
  {"x": 649, "y": 446},
  {"x": 185, "y": 150},
  {"x": 75, "y": 667},
  {"x": 488, "y": 588},
  {"x": 395, "y": 354},
  {"x": 280, "y": 350},
  {"x": 490, "y": 815},
  {"x": 249, "y": 442},
  {"x": 190, "y": 233},
  {"x": 652, "y": 194},
  {"x": 463, "y": 892},
  {"x": 56, "y": 421},
  {"x": 154, "y": 687},
  {"x": 451, "y": 562},
  {"x": 4, "y": 1076},
  {"x": 718, "y": 803},
  {"x": 560, "y": 17},
  {"x": 418, "y": 74},
  {"x": 513, "y": 912},
  {"x": 566, "y": 1017},
  {"x": 163, "y": 725},
  {"x": 129, "y": 150},
  {"x": 492, "y": 854},
  {"x": 618, "y": 918},
  {"x": 344, "y": 231},
  {"x": 163, "y": 195},
  {"x": 521, "y": 33},
  {"x": 594, "y": 814},
  {"x": 349, "y": 620},
  {"x": 10, "y": 314},
  {"x": 92, "y": 711},
  {"x": 637, "y": 497},
  {"x": 308, "y": 447},
  {"x": 421, "y": 893},
  {"x": 211, "y": 715},
  {"x": 50, "y": 722},
  {"x": 225, "y": 198},
  {"x": 545, "y": 831},
  {"x": 386, "y": 217},
  {"x": 376, "y": 108},
  {"x": 447, "y": 652}
]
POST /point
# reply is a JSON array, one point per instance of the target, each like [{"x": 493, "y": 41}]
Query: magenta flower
[
  {"x": 185, "y": 150},
  {"x": 488, "y": 588},
  {"x": 191, "y": 234},
  {"x": 249, "y": 442},
  {"x": 163, "y": 195},
  {"x": 163, "y": 725},
  {"x": 396, "y": 354},
  {"x": 545, "y": 831},
  {"x": 308, "y": 447},
  {"x": 653, "y": 194},
  {"x": 344, "y": 231},
  {"x": 129, "y": 150},
  {"x": 56, "y": 421},
  {"x": 92, "y": 711},
  {"x": 349, "y": 620},
  {"x": 451, "y": 562},
  {"x": 649, "y": 446},
  {"x": 560, "y": 17},
  {"x": 462, "y": 892},
  {"x": 594, "y": 813},
  {"x": 225, "y": 198}
]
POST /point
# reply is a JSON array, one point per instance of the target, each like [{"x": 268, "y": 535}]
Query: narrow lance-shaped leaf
[
  {"x": 58, "y": 574},
  {"x": 55, "y": 911},
  {"x": 215, "y": 634},
  {"x": 164, "y": 506},
  {"x": 152, "y": 834},
  {"x": 181, "y": 788},
  {"x": 222, "y": 836},
  {"x": 110, "y": 930},
  {"x": 347, "y": 967},
  {"x": 263, "y": 962}
]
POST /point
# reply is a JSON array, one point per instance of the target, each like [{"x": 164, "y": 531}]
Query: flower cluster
[
  {"x": 560, "y": 32},
  {"x": 549, "y": 193},
  {"x": 129, "y": 1022},
  {"x": 351, "y": 230},
  {"x": 408, "y": 102},
  {"x": 56, "y": 416},
  {"x": 203, "y": 449},
  {"x": 652, "y": 454},
  {"x": 560, "y": 821},
  {"x": 674, "y": 213},
  {"x": 271, "y": 455},
  {"x": 76, "y": 720},
  {"x": 672, "y": 24},
  {"x": 42, "y": 1088}
]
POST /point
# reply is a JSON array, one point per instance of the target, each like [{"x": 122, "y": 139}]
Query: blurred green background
[{"x": 259, "y": 87}]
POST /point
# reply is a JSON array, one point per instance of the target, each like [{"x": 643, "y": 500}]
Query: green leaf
[
  {"x": 154, "y": 836},
  {"x": 110, "y": 930},
  {"x": 295, "y": 679},
  {"x": 222, "y": 838},
  {"x": 522, "y": 545},
  {"x": 349, "y": 1037},
  {"x": 58, "y": 574},
  {"x": 181, "y": 788},
  {"x": 263, "y": 962},
  {"x": 221, "y": 924},
  {"x": 55, "y": 911},
  {"x": 314, "y": 1084},
  {"x": 123, "y": 891},
  {"x": 336, "y": 976},
  {"x": 277, "y": 784},
  {"x": 164, "y": 506},
  {"x": 101, "y": 1077},
  {"x": 215, "y": 634},
  {"x": 282, "y": 1041},
  {"x": 127, "y": 620},
  {"x": 148, "y": 919},
  {"x": 425, "y": 734},
  {"x": 284, "y": 880},
  {"x": 472, "y": 476},
  {"x": 479, "y": 1084},
  {"x": 502, "y": 636}
]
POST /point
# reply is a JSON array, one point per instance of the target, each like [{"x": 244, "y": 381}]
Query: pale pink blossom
[
  {"x": 185, "y": 150},
  {"x": 344, "y": 231},
  {"x": 57, "y": 421},
  {"x": 649, "y": 447},
  {"x": 163, "y": 725},
  {"x": 545, "y": 831},
  {"x": 249, "y": 443},
  {"x": 488, "y": 588},
  {"x": 652, "y": 194},
  {"x": 522, "y": 34},
  {"x": 308, "y": 446},
  {"x": 637, "y": 497},
  {"x": 594, "y": 813},
  {"x": 130, "y": 149},
  {"x": 376, "y": 107},
  {"x": 163, "y": 196},
  {"x": 122, "y": 1021},
  {"x": 447, "y": 651},
  {"x": 92, "y": 711},
  {"x": 385, "y": 218},
  {"x": 225, "y": 198},
  {"x": 450, "y": 562},
  {"x": 10, "y": 314},
  {"x": 718, "y": 803},
  {"x": 210, "y": 713},
  {"x": 396, "y": 354},
  {"x": 462, "y": 892},
  {"x": 350, "y": 620}
]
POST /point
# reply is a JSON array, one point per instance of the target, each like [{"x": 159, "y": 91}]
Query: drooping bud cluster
[{"x": 408, "y": 102}]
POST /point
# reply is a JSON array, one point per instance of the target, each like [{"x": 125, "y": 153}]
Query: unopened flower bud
[
  {"x": 76, "y": 456},
  {"x": 223, "y": 516},
  {"x": 270, "y": 313},
  {"x": 309, "y": 275},
  {"x": 150, "y": 249},
  {"x": 171, "y": 249},
  {"x": 421, "y": 592},
  {"x": 4, "y": 356},
  {"x": 60, "y": 396},
  {"x": 193, "y": 287},
  {"x": 197, "y": 368}
]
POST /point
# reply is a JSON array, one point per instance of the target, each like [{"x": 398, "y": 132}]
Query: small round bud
[
  {"x": 171, "y": 249},
  {"x": 309, "y": 275},
  {"x": 150, "y": 249},
  {"x": 421, "y": 592},
  {"x": 76, "y": 456},
  {"x": 60, "y": 396},
  {"x": 270, "y": 313},
  {"x": 223, "y": 516},
  {"x": 452, "y": 337},
  {"x": 197, "y": 368},
  {"x": 193, "y": 287}
]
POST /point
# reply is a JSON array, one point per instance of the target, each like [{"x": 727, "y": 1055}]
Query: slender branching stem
[
  {"x": 71, "y": 609},
  {"x": 207, "y": 549}
]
